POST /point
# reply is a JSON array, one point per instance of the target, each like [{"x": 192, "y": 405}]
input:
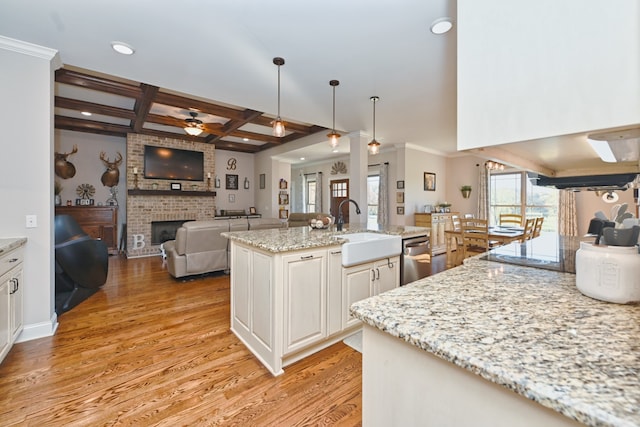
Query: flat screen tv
[{"x": 171, "y": 163}]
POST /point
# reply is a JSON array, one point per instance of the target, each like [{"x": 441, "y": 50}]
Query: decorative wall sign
[
  {"x": 338, "y": 167},
  {"x": 231, "y": 182},
  {"x": 231, "y": 164},
  {"x": 400, "y": 185}
]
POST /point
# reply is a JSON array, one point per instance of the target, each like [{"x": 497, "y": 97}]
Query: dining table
[{"x": 501, "y": 235}]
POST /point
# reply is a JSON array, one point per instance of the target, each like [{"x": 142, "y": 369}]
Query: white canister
[{"x": 608, "y": 273}]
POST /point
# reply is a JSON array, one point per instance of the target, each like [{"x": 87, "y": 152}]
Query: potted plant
[{"x": 466, "y": 191}]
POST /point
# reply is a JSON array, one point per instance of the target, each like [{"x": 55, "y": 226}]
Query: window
[
  {"x": 373, "y": 185},
  {"x": 310, "y": 193},
  {"x": 514, "y": 193}
]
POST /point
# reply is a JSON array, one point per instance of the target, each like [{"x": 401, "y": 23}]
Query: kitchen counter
[
  {"x": 7, "y": 244},
  {"x": 525, "y": 329},
  {"x": 278, "y": 240}
]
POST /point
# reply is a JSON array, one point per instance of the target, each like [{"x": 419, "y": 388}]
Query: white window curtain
[
  {"x": 300, "y": 204},
  {"x": 567, "y": 214},
  {"x": 319, "y": 186},
  {"x": 483, "y": 193},
  {"x": 383, "y": 195}
]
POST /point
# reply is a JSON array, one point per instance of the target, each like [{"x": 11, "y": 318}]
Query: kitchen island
[
  {"x": 494, "y": 344},
  {"x": 291, "y": 293}
]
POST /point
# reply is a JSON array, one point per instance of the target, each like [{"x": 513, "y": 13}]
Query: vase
[{"x": 466, "y": 193}]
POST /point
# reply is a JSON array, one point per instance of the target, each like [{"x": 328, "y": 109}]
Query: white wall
[
  {"x": 464, "y": 170},
  {"x": 26, "y": 177},
  {"x": 245, "y": 168},
  {"x": 89, "y": 167},
  {"x": 540, "y": 68},
  {"x": 416, "y": 164}
]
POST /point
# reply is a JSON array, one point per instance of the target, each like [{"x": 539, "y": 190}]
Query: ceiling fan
[{"x": 193, "y": 125}]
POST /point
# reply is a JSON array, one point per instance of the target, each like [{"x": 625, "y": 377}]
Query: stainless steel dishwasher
[{"x": 415, "y": 259}]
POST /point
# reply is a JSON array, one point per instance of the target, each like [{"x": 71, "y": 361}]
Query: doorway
[{"x": 339, "y": 189}]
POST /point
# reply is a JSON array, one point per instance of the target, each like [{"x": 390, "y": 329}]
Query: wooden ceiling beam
[
  {"x": 204, "y": 107},
  {"x": 97, "y": 83},
  {"x": 235, "y": 146},
  {"x": 143, "y": 106},
  {"x": 233, "y": 125},
  {"x": 78, "y": 125},
  {"x": 104, "y": 110}
]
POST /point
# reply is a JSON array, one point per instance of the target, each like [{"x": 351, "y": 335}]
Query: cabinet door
[
  {"x": 16, "y": 293},
  {"x": 5, "y": 334},
  {"x": 334, "y": 291},
  {"x": 305, "y": 299},
  {"x": 357, "y": 283},
  {"x": 387, "y": 275},
  {"x": 240, "y": 286},
  {"x": 109, "y": 237}
]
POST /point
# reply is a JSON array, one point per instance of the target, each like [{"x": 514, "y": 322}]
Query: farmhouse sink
[{"x": 365, "y": 247}]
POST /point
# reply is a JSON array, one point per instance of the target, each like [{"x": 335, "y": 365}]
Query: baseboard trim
[{"x": 39, "y": 330}]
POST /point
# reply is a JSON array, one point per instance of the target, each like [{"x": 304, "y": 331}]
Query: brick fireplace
[{"x": 160, "y": 204}]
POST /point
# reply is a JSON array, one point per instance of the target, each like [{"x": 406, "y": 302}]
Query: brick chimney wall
[{"x": 144, "y": 209}]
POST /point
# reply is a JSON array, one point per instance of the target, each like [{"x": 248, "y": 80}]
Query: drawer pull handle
[
  {"x": 336, "y": 252},
  {"x": 13, "y": 260},
  {"x": 306, "y": 257}
]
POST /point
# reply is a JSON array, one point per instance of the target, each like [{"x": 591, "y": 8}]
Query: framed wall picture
[
  {"x": 400, "y": 210},
  {"x": 232, "y": 198},
  {"x": 283, "y": 199},
  {"x": 429, "y": 181},
  {"x": 284, "y": 213},
  {"x": 400, "y": 197},
  {"x": 252, "y": 210},
  {"x": 262, "y": 181},
  {"x": 400, "y": 185},
  {"x": 231, "y": 182},
  {"x": 283, "y": 184}
]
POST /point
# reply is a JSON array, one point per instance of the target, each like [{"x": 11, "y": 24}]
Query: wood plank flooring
[{"x": 151, "y": 350}]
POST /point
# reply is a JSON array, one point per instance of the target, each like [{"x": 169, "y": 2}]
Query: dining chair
[
  {"x": 456, "y": 240},
  {"x": 511, "y": 219},
  {"x": 475, "y": 237},
  {"x": 538, "y": 227},
  {"x": 529, "y": 226}
]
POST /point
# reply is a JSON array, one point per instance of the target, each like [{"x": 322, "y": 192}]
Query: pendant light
[
  {"x": 278, "y": 124},
  {"x": 374, "y": 146},
  {"x": 333, "y": 136}
]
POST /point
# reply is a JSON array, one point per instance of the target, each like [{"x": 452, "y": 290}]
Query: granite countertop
[
  {"x": 529, "y": 330},
  {"x": 10, "y": 243},
  {"x": 296, "y": 238}
]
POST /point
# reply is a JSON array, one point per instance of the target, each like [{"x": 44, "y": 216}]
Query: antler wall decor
[
  {"x": 111, "y": 176},
  {"x": 64, "y": 168}
]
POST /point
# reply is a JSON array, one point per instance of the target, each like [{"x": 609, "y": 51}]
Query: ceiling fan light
[
  {"x": 278, "y": 128},
  {"x": 193, "y": 130}
]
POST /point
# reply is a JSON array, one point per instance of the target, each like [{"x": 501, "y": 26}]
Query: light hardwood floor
[{"x": 150, "y": 350}]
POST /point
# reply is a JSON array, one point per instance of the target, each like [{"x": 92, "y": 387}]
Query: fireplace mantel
[{"x": 134, "y": 192}]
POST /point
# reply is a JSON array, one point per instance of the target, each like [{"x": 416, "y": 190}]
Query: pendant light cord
[{"x": 278, "y": 92}]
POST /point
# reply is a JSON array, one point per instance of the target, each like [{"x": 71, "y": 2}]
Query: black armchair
[{"x": 82, "y": 263}]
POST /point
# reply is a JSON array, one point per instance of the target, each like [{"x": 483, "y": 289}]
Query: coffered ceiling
[{"x": 93, "y": 103}]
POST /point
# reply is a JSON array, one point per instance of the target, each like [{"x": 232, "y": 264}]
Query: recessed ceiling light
[
  {"x": 122, "y": 48},
  {"x": 441, "y": 25},
  {"x": 335, "y": 150},
  {"x": 245, "y": 139},
  {"x": 301, "y": 158},
  {"x": 85, "y": 113}
]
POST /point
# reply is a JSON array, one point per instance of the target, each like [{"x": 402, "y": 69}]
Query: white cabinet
[
  {"x": 305, "y": 299},
  {"x": 365, "y": 280},
  {"x": 334, "y": 291},
  {"x": 288, "y": 305},
  {"x": 11, "y": 296}
]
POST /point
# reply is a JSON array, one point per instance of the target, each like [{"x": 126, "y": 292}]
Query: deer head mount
[
  {"x": 64, "y": 168},
  {"x": 111, "y": 176}
]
